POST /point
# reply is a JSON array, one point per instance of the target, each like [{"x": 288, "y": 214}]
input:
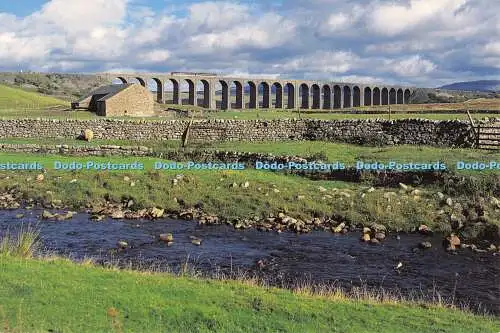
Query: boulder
[
  {"x": 378, "y": 227},
  {"x": 339, "y": 228},
  {"x": 67, "y": 216},
  {"x": 87, "y": 135},
  {"x": 366, "y": 237},
  {"x": 167, "y": 237},
  {"x": 47, "y": 215},
  {"x": 117, "y": 214},
  {"x": 156, "y": 212},
  {"x": 425, "y": 245},
  {"x": 380, "y": 236},
  {"x": 122, "y": 244},
  {"x": 424, "y": 230},
  {"x": 452, "y": 242}
]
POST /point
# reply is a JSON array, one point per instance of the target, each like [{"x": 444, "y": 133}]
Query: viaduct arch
[{"x": 218, "y": 92}]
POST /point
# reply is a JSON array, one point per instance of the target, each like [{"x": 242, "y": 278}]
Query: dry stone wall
[{"x": 379, "y": 132}]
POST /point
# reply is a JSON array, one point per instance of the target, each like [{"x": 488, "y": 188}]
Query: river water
[{"x": 286, "y": 258}]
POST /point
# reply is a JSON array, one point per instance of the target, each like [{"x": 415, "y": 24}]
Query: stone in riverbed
[
  {"x": 374, "y": 241},
  {"x": 168, "y": 237},
  {"x": 98, "y": 217},
  {"x": 424, "y": 230},
  {"x": 380, "y": 236},
  {"x": 19, "y": 216},
  {"x": 122, "y": 244},
  {"x": 366, "y": 237},
  {"x": 378, "y": 227},
  {"x": 156, "y": 212},
  {"x": 339, "y": 228},
  {"x": 47, "y": 215},
  {"x": 366, "y": 230},
  {"x": 67, "y": 216},
  {"x": 117, "y": 214},
  {"x": 425, "y": 245},
  {"x": 196, "y": 241},
  {"x": 452, "y": 242}
]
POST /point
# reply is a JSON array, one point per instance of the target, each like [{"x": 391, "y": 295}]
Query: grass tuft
[{"x": 24, "y": 244}]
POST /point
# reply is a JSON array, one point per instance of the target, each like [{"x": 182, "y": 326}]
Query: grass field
[
  {"x": 326, "y": 151},
  {"x": 56, "y": 295},
  {"x": 18, "y": 99}
]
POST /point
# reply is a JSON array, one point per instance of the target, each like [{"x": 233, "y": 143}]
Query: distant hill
[
  {"x": 68, "y": 87},
  {"x": 14, "y": 98},
  {"x": 482, "y": 85}
]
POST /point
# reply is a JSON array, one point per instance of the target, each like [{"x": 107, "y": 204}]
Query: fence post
[{"x": 476, "y": 132}]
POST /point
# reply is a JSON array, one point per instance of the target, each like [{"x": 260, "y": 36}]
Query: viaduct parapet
[{"x": 219, "y": 92}]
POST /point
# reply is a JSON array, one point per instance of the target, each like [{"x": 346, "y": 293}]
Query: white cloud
[
  {"x": 415, "y": 41},
  {"x": 326, "y": 62},
  {"x": 395, "y": 18},
  {"x": 77, "y": 15},
  {"x": 156, "y": 56},
  {"x": 213, "y": 15},
  {"x": 413, "y": 66}
]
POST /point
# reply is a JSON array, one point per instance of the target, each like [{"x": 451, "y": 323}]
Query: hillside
[
  {"x": 68, "y": 87},
  {"x": 482, "y": 85},
  {"x": 14, "y": 98}
]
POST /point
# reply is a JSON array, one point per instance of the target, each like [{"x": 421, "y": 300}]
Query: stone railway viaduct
[{"x": 266, "y": 93}]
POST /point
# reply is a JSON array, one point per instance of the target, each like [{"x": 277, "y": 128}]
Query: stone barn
[{"x": 128, "y": 99}]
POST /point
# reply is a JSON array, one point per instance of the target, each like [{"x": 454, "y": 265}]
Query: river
[{"x": 320, "y": 258}]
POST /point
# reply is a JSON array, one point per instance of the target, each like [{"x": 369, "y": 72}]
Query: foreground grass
[{"x": 60, "y": 296}]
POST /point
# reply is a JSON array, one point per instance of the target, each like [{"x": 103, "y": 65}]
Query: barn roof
[{"x": 108, "y": 91}]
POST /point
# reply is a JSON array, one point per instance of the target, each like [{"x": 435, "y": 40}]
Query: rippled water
[{"x": 319, "y": 257}]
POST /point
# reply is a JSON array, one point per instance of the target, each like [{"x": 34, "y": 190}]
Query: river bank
[
  {"x": 264, "y": 200},
  {"x": 398, "y": 265},
  {"x": 85, "y": 298}
]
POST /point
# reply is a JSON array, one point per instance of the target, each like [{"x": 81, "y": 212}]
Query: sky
[{"x": 423, "y": 43}]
